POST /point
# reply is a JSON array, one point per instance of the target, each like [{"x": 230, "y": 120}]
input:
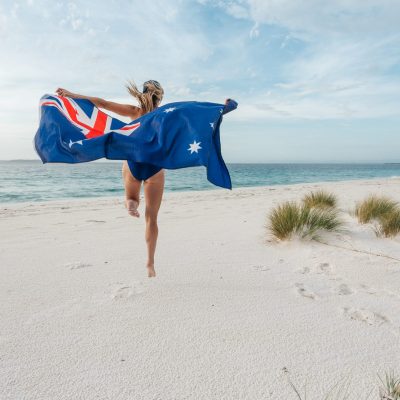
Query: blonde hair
[{"x": 150, "y": 97}]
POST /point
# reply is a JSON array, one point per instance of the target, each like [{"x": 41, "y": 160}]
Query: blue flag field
[{"x": 176, "y": 135}]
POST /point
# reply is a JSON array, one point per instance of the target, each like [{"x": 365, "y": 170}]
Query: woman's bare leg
[
  {"x": 132, "y": 190},
  {"x": 153, "y": 191}
]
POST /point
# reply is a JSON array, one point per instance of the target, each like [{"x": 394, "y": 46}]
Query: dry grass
[
  {"x": 290, "y": 219},
  {"x": 320, "y": 199},
  {"x": 374, "y": 208}
]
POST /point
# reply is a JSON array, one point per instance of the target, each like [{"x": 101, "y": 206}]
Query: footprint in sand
[
  {"x": 305, "y": 292},
  {"x": 77, "y": 265},
  {"x": 344, "y": 290},
  {"x": 324, "y": 268},
  {"x": 321, "y": 268},
  {"x": 121, "y": 291},
  {"x": 368, "y": 289},
  {"x": 366, "y": 316}
]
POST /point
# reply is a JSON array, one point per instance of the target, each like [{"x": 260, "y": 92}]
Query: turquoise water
[{"x": 33, "y": 181}]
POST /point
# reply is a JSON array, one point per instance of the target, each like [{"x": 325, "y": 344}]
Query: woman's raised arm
[{"x": 126, "y": 110}]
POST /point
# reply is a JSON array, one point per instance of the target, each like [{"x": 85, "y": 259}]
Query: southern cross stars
[
  {"x": 194, "y": 147},
  {"x": 168, "y": 110},
  {"x": 71, "y": 143}
]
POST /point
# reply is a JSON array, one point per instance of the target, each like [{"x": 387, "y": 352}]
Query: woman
[{"x": 149, "y": 99}]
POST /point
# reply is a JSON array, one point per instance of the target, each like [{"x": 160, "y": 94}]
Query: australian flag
[{"x": 176, "y": 135}]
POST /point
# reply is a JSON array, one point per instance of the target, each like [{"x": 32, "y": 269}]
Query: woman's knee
[{"x": 151, "y": 217}]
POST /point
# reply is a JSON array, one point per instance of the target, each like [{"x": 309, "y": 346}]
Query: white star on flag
[
  {"x": 71, "y": 143},
  {"x": 168, "y": 110},
  {"x": 194, "y": 147},
  {"x": 212, "y": 124}
]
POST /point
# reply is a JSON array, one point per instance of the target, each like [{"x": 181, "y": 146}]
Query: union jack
[{"x": 92, "y": 122}]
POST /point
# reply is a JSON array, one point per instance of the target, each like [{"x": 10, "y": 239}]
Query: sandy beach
[{"x": 230, "y": 315}]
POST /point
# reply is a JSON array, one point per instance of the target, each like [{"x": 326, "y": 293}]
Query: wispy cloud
[
  {"x": 345, "y": 62},
  {"x": 282, "y": 60}
]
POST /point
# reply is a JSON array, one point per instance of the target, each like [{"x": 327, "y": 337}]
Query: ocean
[{"x": 26, "y": 181}]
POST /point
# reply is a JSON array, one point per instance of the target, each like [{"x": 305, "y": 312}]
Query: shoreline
[{"x": 191, "y": 192}]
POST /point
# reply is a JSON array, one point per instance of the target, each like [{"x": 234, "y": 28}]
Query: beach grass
[
  {"x": 284, "y": 220},
  {"x": 390, "y": 387},
  {"x": 291, "y": 219},
  {"x": 320, "y": 199},
  {"x": 339, "y": 391},
  {"x": 374, "y": 208},
  {"x": 389, "y": 225},
  {"x": 383, "y": 211}
]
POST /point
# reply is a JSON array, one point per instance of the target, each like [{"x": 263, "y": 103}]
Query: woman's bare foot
[
  {"x": 151, "y": 273},
  {"x": 131, "y": 206}
]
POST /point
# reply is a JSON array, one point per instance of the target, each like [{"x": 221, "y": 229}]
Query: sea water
[{"x": 22, "y": 181}]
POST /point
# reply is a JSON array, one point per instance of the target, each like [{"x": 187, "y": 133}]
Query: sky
[{"x": 316, "y": 81}]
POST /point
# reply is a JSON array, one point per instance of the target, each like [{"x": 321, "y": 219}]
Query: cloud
[
  {"x": 282, "y": 60},
  {"x": 337, "y": 18},
  {"x": 255, "y": 31},
  {"x": 340, "y": 57},
  {"x": 235, "y": 8}
]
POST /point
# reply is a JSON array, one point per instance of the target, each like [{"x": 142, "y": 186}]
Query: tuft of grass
[
  {"x": 290, "y": 219},
  {"x": 284, "y": 220},
  {"x": 374, "y": 208},
  {"x": 313, "y": 221},
  {"x": 384, "y": 211},
  {"x": 390, "y": 389},
  {"x": 339, "y": 391},
  {"x": 320, "y": 199},
  {"x": 389, "y": 224}
]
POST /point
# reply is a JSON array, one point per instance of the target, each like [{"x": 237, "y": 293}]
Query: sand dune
[{"x": 230, "y": 315}]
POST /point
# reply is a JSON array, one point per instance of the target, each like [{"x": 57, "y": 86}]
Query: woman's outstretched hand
[
  {"x": 64, "y": 92},
  {"x": 230, "y": 105}
]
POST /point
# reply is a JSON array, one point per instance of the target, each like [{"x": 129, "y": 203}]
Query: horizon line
[{"x": 231, "y": 162}]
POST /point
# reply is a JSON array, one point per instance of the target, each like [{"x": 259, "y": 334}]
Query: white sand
[{"x": 227, "y": 314}]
